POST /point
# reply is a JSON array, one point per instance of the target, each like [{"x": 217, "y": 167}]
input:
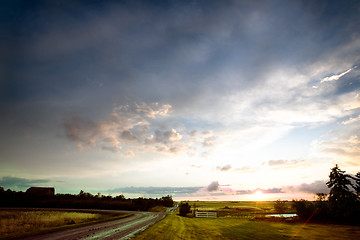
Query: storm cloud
[{"x": 253, "y": 92}]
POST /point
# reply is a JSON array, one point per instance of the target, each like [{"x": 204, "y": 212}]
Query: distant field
[
  {"x": 235, "y": 226},
  {"x": 15, "y": 223},
  {"x": 241, "y": 209},
  {"x": 219, "y": 205}
]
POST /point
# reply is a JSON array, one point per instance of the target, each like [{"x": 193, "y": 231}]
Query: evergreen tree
[
  {"x": 357, "y": 185},
  {"x": 341, "y": 199}
]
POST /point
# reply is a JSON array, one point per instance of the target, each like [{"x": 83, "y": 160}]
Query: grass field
[
  {"x": 238, "y": 209},
  {"x": 234, "y": 226},
  {"x": 15, "y": 224}
]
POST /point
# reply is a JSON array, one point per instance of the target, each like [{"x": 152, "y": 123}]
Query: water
[{"x": 282, "y": 215}]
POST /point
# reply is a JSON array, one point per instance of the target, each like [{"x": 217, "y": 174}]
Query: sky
[{"x": 209, "y": 100}]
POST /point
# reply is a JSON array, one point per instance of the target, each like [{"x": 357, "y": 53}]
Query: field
[
  {"x": 16, "y": 223},
  {"x": 238, "y": 209},
  {"x": 235, "y": 225}
]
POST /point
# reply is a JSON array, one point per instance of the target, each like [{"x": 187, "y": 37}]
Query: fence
[{"x": 206, "y": 214}]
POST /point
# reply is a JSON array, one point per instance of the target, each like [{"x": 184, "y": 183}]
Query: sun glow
[{"x": 258, "y": 196}]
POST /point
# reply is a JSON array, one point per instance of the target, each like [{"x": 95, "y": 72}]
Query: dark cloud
[
  {"x": 156, "y": 190},
  {"x": 213, "y": 186},
  {"x": 314, "y": 187},
  {"x": 126, "y": 125},
  {"x": 164, "y": 137},
  {"x": 15, "y": 183},
  {"x": 272, "y": 190},
  {"x": 81, "y": 131},
  {"x": 127, "y": 135},
  {"x": 221, "y": 65}
]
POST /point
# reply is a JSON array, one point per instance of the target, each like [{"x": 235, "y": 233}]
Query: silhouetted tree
[
  {"x": 357, "y": 185},
  {"x": 120, "y": 197},
  {"x": 184, "y": 209},
  {"x": 342, "y": 200},
  {"x": 321, "y": 197},
  {"x": 167, "y": 201},
  {"x": 280, "y": 206},
  {"x": 304, "y": 209},
  {"x": 322, "y": 206}
]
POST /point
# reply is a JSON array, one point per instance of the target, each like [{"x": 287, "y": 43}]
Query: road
[{"x": 124, "y": 228}]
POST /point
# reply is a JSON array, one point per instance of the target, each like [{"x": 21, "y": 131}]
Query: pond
[{"x": 282, "y": 215}]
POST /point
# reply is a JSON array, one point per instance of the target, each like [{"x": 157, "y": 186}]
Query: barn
[{"x": 41, "y": 191}]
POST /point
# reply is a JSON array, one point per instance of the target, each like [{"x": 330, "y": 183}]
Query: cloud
[
  {"x": 15, "y": 183},
  {"x": 351, "y": 120},
  {"x": 265, "y": 191},
  {"x": 272, "y": 190},
  {"x": 131, "y": 128},
  {"x": 127, "y": 135},
  {"x": 224, "y": 168},
  {"x": 213, "y": 186},
  {"x": 335, "y": 77},
  {"x": 164, "y": 137},
  {"x": 193, "y": 133},
  {"x": 196, "y": 166},
  {"x": 276, "y": 163},
  {"x": 129, "y": 154},
  {"x": 207, "y": 133},
  {"x": 155, "y": 190},
  {"x": 314, "y": 187},
  {"x": 82, "y": 132},
  {"x": 209, "y": 141},
  {"x": 153, "y": 110},
  {"x": 246, "y": 169},
  {"x": 342, "y": 144}
]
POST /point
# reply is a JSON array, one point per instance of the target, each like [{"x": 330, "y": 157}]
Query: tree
[
  {"x": 357, "y": 184},
  {"x": 280, "y": 206},
  {"x": 184, "y": 209},
  {"x": 304, "y": 209},
  {"x": 120, "y": 197},
  {"x": 167, "y": 201},
  {"x": 341, "y": 199},
  {"x": 339, "y": 182},
  {"x": 321, "y": 197}
]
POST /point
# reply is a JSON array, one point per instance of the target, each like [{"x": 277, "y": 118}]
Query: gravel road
[{"x": 118, "y": 229}]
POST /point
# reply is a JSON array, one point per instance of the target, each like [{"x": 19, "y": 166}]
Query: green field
[
  {"x": 237, "y": 226},
  {"x": 16, "y": 223},
  {"x": 242, "y": 209}
]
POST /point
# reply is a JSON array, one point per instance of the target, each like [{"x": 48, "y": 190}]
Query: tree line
[
  {"x": 341, "y": 205},
  {"x": 83, "y": 200}
]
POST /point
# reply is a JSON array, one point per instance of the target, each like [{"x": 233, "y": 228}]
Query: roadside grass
[
  {"x": 16, "y": 224},
  {"x": 236, "y": 226},
  {"x": 177, "y": 227}
]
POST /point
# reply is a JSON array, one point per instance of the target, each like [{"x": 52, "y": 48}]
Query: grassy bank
[
  {"x": 176, "y": 227},
  {"x": 15, "y": 223},
  {"x": 235, "y": 222}
]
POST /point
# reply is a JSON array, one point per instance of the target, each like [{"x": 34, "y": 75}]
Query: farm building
[{"x": 41, "y": 191}]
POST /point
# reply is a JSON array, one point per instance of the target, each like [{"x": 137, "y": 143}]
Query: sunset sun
[{"x": 258, "y": 196}]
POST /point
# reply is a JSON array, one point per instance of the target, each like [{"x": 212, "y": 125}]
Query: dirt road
[{"x": 118, "y": 229}]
